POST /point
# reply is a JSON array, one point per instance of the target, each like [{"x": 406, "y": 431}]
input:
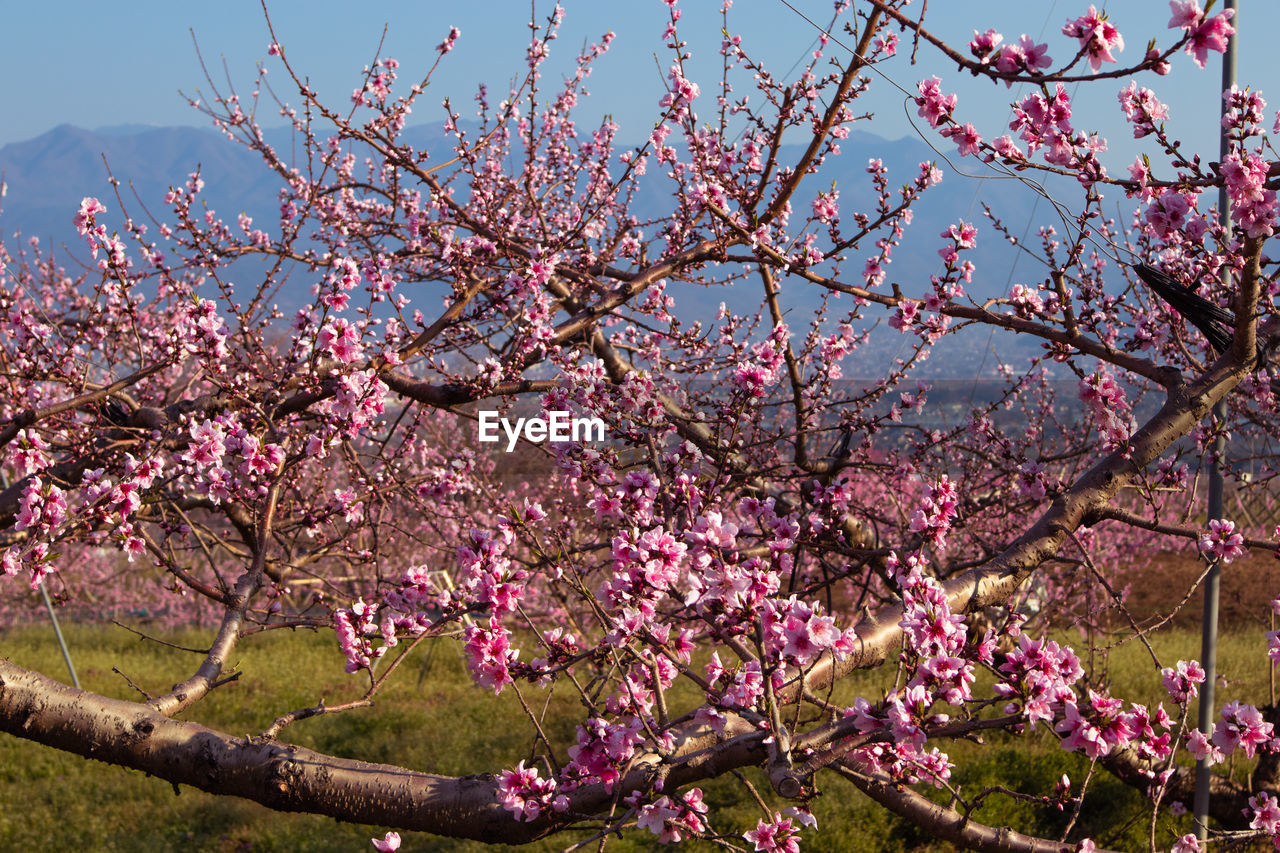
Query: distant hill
[{"x": 48, "y": 175}]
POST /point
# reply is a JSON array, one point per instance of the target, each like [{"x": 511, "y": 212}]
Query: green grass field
[{"x": 433, "y": 719}]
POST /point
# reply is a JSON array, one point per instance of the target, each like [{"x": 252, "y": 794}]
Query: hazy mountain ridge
[{"x": 48, "y": 176}]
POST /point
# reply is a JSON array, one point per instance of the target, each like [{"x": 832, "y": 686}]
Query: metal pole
[
  {"x": 57, "y": 629},
  {"x": 1209, "y": 633}
]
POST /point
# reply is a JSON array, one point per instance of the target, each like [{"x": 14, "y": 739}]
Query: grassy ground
[{"x": 432, "y": 719}]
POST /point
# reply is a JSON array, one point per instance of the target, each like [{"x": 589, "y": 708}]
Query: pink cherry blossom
[
  {"x": 1242, "y": 727},
  {"x": 776, "y": 836},
  {"x": 1266, "y": 814},
  {"x": 1221, "y": 542},
  {"x": 780, "y": 500},
  {"x": 389, "y": 843},
  {"x": 1205, "y": 34},
  {"x": 84, "y": 218},
  {"x": 1183, "y": 682},
  {"x": 935, "y": 107},
  {"x": 984, "y": 44},
  {"x": 1096, "y": 35}
]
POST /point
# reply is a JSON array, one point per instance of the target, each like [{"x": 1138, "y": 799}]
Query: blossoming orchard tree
[{"x": 754, "y": 530}]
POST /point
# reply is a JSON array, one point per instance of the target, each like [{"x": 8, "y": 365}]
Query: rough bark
[
  {"x": 948, "y": 824},
  {"x": 277, "y": 775}
]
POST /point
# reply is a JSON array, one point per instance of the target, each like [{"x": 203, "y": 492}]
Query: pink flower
[
  {"x": 1106, "y": 399},
  {"x": 388, "y": 843},
  {"x": 450, "y": 40},
  {"x": 30, "y": 505},
  {"x": 1169, "y": 212},
  {"x": 523, "y": 793},
  {"x": 711, "y": 528},
  {"x": 967, "y": 138},
  {"x": 801, "y": 814},
  {"x": 753, "y": 378},
  {"x": 776, "y": 835},
  {"x": 983, "y": 44},
  {"x": 682, "y": 91},
  {"x": 807, "y": 634},
  {"x": 1266, "y": 813},
  {"x": 965, "y": 234},
  {"x": 935, "y": 107},
  {"x": 1253, "y": 204},
  {"x": 1081, "y": 734},
  {"x": 1187, "y": 844},
  {"x": 1201, "y": 749},
  {"x": 488, "y": 655},
  {"x": 1245, "y": 178},
  {"x": 134, "y": 547},
  {"x": 1241, "y": 726},
  {"x": 655, "y": 816},
  {"x": 826, "y": 206},
  {"x": 1097, "y": 36},
  {"x": 1007, "y": 148},
  {"x": 1187, "y": 14},
  {"x": 89, "y": 207},
  {"x": 533, "y": 511},
  {"x": 1222, "y": 542},
  {"x": 1026, "y": 55},
  {"x": 207, "y": 446},
  {"x": 938, "y": 507},
  {"x": 905, "y": 317},
  {"x": 11, "y": 562},
  {"x": 1036, "y": 54},
  {"x": 1206, "y": 35},
  {"x": 1158, "y": 65},
  {"x": 341, "y": 339},
  {"x": 747, "y": 687},
  {"x": 1183, "y": 683},
  {"x": 887, "y": 45},
  {"x": 1142, "y": 109}
]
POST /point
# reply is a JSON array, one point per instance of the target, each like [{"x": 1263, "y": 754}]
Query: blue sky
[{"x": 96, "y": 64}]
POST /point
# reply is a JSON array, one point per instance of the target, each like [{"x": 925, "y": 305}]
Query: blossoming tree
[{"x": 756, "y": 528}]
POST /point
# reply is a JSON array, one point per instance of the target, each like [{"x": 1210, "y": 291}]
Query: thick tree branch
[{"x": 948, "y": 824}]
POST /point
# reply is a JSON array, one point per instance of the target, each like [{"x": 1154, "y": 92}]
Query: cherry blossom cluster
[
  {"x": 781, "y": 834},
  {"x": 526, "y": 795},
  {"x": 699, "y": 581},
  {"x": 1183, "y": 681},
  {"x": 674, "y": 819},
  {"x": 1252, "y": 203},
  {"x": 1097, "y": 37},
  {"x": 355, "y": 626},
  {"x": 1110, "y": 407},
  {"x": 938, "y": 508},
  {"x": 1204, "y": 33},
  {"x": 1222, "y": 542}
]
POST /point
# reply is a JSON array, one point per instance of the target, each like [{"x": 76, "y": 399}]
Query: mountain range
[{"x": 48, "y": 175}]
